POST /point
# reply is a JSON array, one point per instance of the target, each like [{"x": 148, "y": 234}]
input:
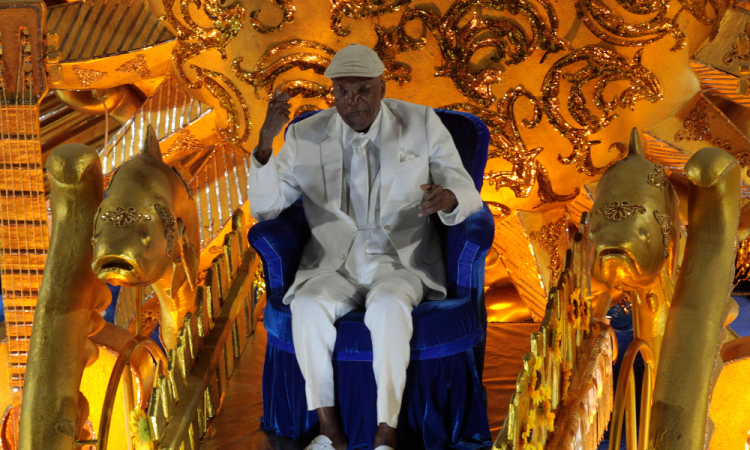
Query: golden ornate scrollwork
[
  {"x": 287, "y": 8},
  {"x": 498, "y": 209},
  {"x": 696, "y": 125},
  {"x": 458, "y": 43},
  {"x": 548, "y": 238},
  {"x": 666, "y": 230},
  {"x": 611, "y": 27},
  {"x": 185, "y": 143},
  {"x": 232, "y": 131},
  {"x": 740, "y": 49},
  {"x": 263, "y": 75},
  {"x": 617, "y": 211},
  {"x": 194, "y": 39},
  {"x": 602, "y": 67},
  {"x": 507, "y": 144},
  {"x": 361, "y": 9}
]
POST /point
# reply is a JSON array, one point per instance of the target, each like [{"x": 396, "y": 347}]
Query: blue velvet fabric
[{"x": 444, "y": 406}]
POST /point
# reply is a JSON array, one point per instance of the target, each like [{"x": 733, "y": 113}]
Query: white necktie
[{"x": 360, "y": 176}]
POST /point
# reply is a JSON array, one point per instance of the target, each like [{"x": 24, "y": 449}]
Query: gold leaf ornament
[
  {"x": 123, "y": 217},
  {"x": 136, "y": 65},
  {"x": 666, "y": 230},
  {"x": 696, "y": 125},
  {"x": 169, "y": 223},
  {"x": 86, "y": 77},
  {"x": 617, "y": 211}
]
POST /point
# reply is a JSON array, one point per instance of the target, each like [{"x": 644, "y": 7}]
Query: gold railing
[{"x": 625, "y": 401}]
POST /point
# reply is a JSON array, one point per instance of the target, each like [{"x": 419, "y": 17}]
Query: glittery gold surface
[
  {"x": 658, "y": 178},
  {"x": 86, "y": 76},
  {"x": 549, "y": 237},
  {"x": 238, "y": 124},
  {"x": 740, "y": 49},
  {"x": 361, "y": 9},
  {"x": 287, "y": 8},
  {"x": 136, "y": 65},
  {"x": 168, "y": 222},
  {"x": 603, "y": 67},
  {"x": 660, "y": 19}
]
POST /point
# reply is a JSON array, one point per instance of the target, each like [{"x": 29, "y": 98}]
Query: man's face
[{"x": 357, "y": 100}]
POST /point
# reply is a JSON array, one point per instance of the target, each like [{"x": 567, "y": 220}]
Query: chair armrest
[
  {"x": 466, "y": 248},
  {"x": 279, "y": 243}
]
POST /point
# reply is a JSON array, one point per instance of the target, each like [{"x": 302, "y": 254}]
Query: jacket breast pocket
[{"x": 409, "y": 164}]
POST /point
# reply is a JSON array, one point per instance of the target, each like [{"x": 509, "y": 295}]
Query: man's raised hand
[
  {"x": 277, "y": 116},
  {"x": 436, "y": 199}
]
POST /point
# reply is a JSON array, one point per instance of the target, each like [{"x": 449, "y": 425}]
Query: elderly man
[{"x": 371, "y": 172}]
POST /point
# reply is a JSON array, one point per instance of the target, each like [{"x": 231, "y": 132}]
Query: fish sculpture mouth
[
  {"x": 117, "y": 270},
  {"x": 616, "y": 267}
]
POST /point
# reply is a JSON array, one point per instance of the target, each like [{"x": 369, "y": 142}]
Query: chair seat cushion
[{"x": 441, "y": 328}]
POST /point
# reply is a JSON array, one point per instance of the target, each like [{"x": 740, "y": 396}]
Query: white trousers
[{"x": 389, "y": 301}]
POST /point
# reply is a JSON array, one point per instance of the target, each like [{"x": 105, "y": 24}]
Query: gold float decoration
[
  {"x": 608, "y": 67},
  {"x": 361, "y": 9},
  {"x": 658, "y": 178},
  {"x": 86, "y": 77},
  {"x": 697, "y": 127},
  {"x": 234, "y": 121},
  {"x": 168, "y": 223},
  {"x": 617, "y": 211},
  {"x": 740, "y": 48},
  {"x": 136, "y": 65},
  {"x": 506, "y": 143},
  {"x": 666, "y": 230},
  {"x": 611, "y": 27},
  {"x": 548, "y": 238},
  {"x": 287, "y": 8},
  {"x": 123, "y": 217},
  {"x": 459, "y": 43},
  {"x": 186, "y": 143}
]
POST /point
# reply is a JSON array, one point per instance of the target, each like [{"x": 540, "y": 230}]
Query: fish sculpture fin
[
  {"x": 190, "y": 259},
  {"x": 179, "y": 276},
  {"x": 151, "y": 144},
  {"x": 636, "y": 143}
]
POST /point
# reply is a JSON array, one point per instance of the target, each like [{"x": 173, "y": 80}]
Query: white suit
[{"x": 414, "y": 149}]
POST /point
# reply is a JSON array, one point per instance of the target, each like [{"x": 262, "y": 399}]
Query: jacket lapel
[
  {"x": 390, "y": 135},
  {"x": 332, "y": 161}
]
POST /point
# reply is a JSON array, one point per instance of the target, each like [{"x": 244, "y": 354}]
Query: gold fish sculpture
[
  {"x": 634, "y": 232},
  {"x": 146, "y": 233}
]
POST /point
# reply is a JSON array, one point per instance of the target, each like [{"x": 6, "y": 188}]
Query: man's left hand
[{"x": 436, "y": 199}]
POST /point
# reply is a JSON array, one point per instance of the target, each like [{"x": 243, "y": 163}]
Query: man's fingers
[
  {"x": 432, "y": 193},
  {"x": 425, "y": 187}
]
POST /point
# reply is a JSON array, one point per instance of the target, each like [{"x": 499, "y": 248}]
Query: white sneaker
[
  {"x": 384, "y": 447},
  {"x": 323, "y": 443}
]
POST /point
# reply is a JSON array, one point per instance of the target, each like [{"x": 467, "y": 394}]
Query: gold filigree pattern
[
  {"x": 232, "y": 131},
  {"x": 740, "y": 49},
  {"x": 123, "y": 217},
  {"x": 361, "y": 9},
  {"x": 666, "y": 230},
  {"x": 696, "y": 125},
  {"x": 617, "y": 211},
  {"x": 194, "y": 39},
  {"x": 264, "y": 75},
  {"x": 548, "y": 238},
  {"x": 611, "y": 27},
  {"x": 185, "y": 143},
  {"x": 458, "y": 43},
  {"x": 287, "y": 8},
  {"x": 498, "y": 209},
  {"x": 658, "y": 178},
  {"x": 603, "y": 67},
  {"x": 136, "y": 65},
  {"x": 744, "y": 159},
  {"x": 86, "y": 77},
  {"x": 169, "y": 223},
  {"x": 742, "y": 265},
  {"x": 506, "y": 143}
]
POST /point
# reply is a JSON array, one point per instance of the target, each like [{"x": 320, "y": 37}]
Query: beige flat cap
[{"x": 355, "y": 61}]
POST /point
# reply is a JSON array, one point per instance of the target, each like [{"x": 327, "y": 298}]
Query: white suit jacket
[{"x": 415, "y": 149}]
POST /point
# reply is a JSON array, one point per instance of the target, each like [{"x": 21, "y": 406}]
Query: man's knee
[{"x": 384, "y": 303}]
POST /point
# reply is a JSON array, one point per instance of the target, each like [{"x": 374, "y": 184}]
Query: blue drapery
[{"x": 444, "y": 401}]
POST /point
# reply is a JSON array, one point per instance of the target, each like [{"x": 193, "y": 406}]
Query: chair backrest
[{"x": 470, "y": 134}]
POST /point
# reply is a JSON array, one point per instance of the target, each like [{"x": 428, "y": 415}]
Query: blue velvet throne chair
[{"x": 444, "y": 405}]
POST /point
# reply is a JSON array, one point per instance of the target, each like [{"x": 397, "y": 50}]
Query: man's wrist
[
  {"x": 262, "y": 155},
  {"x": 452, "y": 208}
]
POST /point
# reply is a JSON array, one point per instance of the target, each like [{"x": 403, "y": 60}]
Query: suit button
[
  {"x": 354, "y": 230},
  {"x": 386, "y": 227},
  {"x": 343, "y": 257}
]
